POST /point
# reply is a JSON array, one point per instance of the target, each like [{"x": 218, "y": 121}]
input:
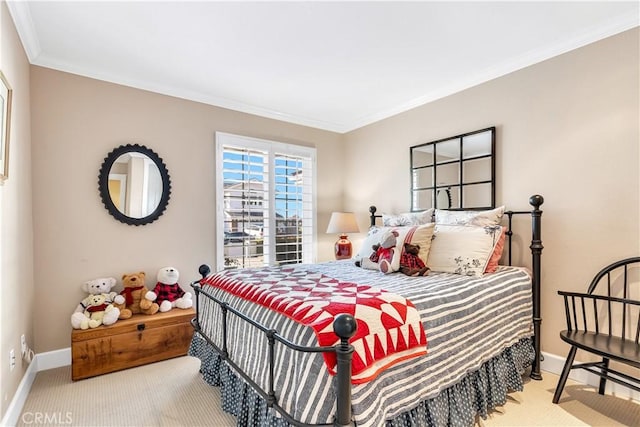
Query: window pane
[
  {"x": 289, "y": 181},
  {"x": 245, "y": 186}
]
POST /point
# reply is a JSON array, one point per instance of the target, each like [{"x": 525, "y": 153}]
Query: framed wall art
[{"x": 5, "y": 125}]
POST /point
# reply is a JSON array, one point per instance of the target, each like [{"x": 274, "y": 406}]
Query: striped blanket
[
  {"x": 468, "y": 320},
  {"x": 389, "y": 328}
]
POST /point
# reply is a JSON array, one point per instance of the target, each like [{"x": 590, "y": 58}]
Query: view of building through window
[{"x": 267, "y": 213}]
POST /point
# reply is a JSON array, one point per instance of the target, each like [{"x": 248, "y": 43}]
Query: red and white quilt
[{"x": 389, "y": 326}]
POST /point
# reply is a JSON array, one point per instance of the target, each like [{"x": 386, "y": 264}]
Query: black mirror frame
[
  {"x": 461, "y": 182},
  {"x": 103, "y": 184}
]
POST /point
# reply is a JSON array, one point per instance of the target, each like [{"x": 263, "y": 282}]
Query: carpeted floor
[
  {"x": 580, "y": 405},
  {"x": 172, "y": 393}
]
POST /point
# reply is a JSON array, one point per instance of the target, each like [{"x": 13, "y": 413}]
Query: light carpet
[{"x": 173, "y": 393}]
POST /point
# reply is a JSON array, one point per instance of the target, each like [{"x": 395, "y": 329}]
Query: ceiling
[{"x": 330, "y": 65}]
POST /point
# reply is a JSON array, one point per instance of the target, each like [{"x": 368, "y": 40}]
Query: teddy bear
[
  {"x": 167, "y": 293},
  {"x": 382, "y": 254},
  {"x": 95, "y": 287},
  {"x": 138, "y": 299},
  {"x": 410, "y": 263},
  {"x": 97, "y": 309}
]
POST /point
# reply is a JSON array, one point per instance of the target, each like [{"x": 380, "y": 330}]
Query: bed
[{"x": 482, "y": 333}]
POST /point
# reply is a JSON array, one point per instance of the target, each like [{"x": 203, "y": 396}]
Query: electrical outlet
[
  {"x": 23, "y": 345},
  {"x": 12, "y": 359}
]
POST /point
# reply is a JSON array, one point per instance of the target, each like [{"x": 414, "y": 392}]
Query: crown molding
[
  {"x": 21, "y": 15},
  {"x": 615, "y": 26},
  {"x": 178, "y": 92}
]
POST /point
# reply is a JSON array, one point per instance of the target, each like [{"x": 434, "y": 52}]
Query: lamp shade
[{"x": 342, "y": 223}]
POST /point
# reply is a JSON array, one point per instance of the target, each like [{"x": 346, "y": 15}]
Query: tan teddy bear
[
  {"x": 137, "y": 297},
  {"x": 97, "y": 308},
  {"x": 95, "y": 287}
]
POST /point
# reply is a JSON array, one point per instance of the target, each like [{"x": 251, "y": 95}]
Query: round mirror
[{"x": 134, "y": 184}]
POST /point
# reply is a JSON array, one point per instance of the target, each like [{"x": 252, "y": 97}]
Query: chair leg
[
  {"x": 603, "y": 380},
  {"x": 565, "y": 374}
]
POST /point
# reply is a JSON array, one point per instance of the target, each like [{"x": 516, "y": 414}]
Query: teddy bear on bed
[
  {"x": 410, "y": 263},
  {"x": 95, "y": 287},
  {"x": 137, "y": 296},
  {"x": 382, "y": 254},
  {"x": 168, "y": 293}
]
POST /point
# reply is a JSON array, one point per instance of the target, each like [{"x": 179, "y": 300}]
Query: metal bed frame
[{"x": 344, "y": 326}]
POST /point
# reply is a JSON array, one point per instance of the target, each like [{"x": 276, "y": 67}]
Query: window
[{"x": 265, "y": 202}]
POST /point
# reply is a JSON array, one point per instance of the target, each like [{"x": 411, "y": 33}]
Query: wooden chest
[{"x": 132, "y": 342}]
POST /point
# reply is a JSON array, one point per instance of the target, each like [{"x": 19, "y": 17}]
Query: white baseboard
[
  {"x": 54, "y": 359},
  {"x": 41, "y": 362},
  {"x": 554, "y": 364},
  {"x": 15, "y": 407}
]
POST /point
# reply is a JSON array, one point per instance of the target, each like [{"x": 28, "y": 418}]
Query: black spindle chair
[{"x": 605, "y": 321}]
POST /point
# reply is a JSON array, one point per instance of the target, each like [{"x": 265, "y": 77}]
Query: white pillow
[
  {"x": 476, "y": 218},
  {"x": 462, "y": 249},
  {"x": 408, "y": 218},
  {"x": 373, "y": 238}
]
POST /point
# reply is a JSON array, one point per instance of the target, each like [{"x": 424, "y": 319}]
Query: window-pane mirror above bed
[{"x": 456, "y": 172}]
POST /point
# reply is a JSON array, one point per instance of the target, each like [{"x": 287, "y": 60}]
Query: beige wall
[
  {"x": 567, "y": 128},
  {"x": 76, "y": 122},
  {"x": 16, "y": 236}
]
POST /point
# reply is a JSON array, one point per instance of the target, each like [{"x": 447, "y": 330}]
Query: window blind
[{"x": 266, "y": 202}]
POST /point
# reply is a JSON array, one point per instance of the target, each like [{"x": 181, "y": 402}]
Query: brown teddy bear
[
  {"x": 410, "y": 263},
  {"x": 138, "y": 299}
]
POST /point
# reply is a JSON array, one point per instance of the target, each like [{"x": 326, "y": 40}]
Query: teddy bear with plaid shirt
[
  {"x": 168, "y": 293},
  {"x": 410, "y": 263}
]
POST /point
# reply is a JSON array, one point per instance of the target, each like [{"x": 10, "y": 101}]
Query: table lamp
[{"x": 343, "y": 223}]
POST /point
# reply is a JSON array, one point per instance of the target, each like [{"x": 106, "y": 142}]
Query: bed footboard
[{"x": 344, "y": 326}]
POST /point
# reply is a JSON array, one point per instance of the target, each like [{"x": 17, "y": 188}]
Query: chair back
[{"x": 611, "y": 304}]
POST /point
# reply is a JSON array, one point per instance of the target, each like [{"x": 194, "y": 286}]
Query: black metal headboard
[{"x": 373, "y": 216}]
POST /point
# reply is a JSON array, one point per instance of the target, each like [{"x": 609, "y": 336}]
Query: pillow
[
  {"x": 408, "y": 218},
  {"x": 476, "y": 218},
  {"x": 417, "y": 235},
  {"x": 492, "y": 265},
  {"x": 373, "y": 237},
  {"x": 462, "y": 249}
]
